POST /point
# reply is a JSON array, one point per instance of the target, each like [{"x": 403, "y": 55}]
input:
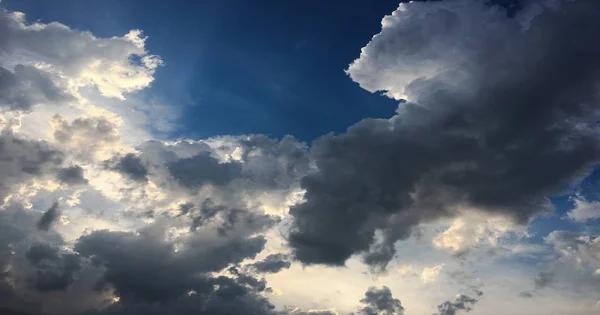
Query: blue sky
[{"x": 239, "y": 67}]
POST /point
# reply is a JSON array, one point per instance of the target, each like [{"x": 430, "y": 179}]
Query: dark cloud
[
  {"x": 49, "y": 217},
  {"x": 379, "y": 301},
  {"x": 203, "y": 169},
  {"x": 272, "y": 264},
  {"x": 26, "y": 87},
  {"x": 462, "y": 303},
  {"x": 54, "y": 270},
  {"x": 151, "y": 277},
  {"x": 130, "y": 165},
  {"x": 130, "y": 258},
  {"x": 72, "y": 175},
  {"x": 505, "y": 120}
]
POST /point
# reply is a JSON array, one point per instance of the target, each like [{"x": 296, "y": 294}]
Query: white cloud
[
  {"x": 80, "y": 58},
  {"x": 584, "y": 210},
  {"x": 430, "y": 274},
  {"x": 473, "y": 229}
]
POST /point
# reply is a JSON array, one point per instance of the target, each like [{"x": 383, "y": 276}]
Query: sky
[{"x": 299, "y": 157}]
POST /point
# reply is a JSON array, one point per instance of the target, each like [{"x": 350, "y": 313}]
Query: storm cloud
[{"x": 498, "y": 114}]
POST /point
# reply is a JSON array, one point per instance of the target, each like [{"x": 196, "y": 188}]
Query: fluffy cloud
[
  {"x": 499, "y": 116},
  {"x": 379, "y": 301},
  {"x": 430, "y": 274},
  {"x": 584, "y": 210},
  {"x": 80, "y": 57}
]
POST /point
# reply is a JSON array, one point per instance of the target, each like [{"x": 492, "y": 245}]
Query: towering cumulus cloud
[{"x": 498, "y": 114}]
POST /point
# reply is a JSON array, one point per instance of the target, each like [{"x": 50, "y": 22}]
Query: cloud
[
  {"x": 49, "y": 217},
  {"x": 22, "y": 160},
  {"x": 577, "y": 248},
  {"x": 498, "y": 118},
  {"x": 379, "y": 301},
  {"x": 430, "y": 274},
  {"x": 86, "y": 136},
  {"x": 462, "y": 303},
  {"x": 54, "y": 270},
  {"x": 72, "y": 175},
  {"x": 473, "y": 230},
  {"x": 105, "y": 63},
  {"x": 203, "y": 169},
  {"x": 543, "y": 279},
  {"x": 584, "y": 210},
  {"x": 272, "y": 264},
  {"x": 28, "y": 86},
  {"x": 129, "y": 165}
]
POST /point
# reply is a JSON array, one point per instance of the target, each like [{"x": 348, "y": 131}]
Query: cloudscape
[{"x": 299, "y": 157}]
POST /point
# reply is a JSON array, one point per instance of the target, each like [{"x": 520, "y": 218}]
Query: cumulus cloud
[
  {"x": 499, "y": 116},
  {"x": 85, "y": 59},
  {"x": 379, "y": 301}
]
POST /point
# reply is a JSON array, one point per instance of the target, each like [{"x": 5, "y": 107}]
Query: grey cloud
[
  {"x": 130, "y": 258},
  {"x": 130, "y": 165},
  {"x": 91, "y": 132},
  {"x": 499, "y": 118},
  {"x": 260, "y": 163},
  {"x": 21, "y": 285},
  {"x": 72, "y": 175},
  {"x": 203, "y": 169},
  {"x": 54, "y": 270},
  {"x": 272, "y": 163},
  {"x": 151, "y": 277},
  {"x": 462, "y": 303},
  {"x": 379, "y": 301},
  {"x": 272, "y": 264},
  {"x": 26, "y": 87},
  {"x": 543, "y": 279},
  {"x": 22, "y": 160},
  {"x": 49, "y": 217}
]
